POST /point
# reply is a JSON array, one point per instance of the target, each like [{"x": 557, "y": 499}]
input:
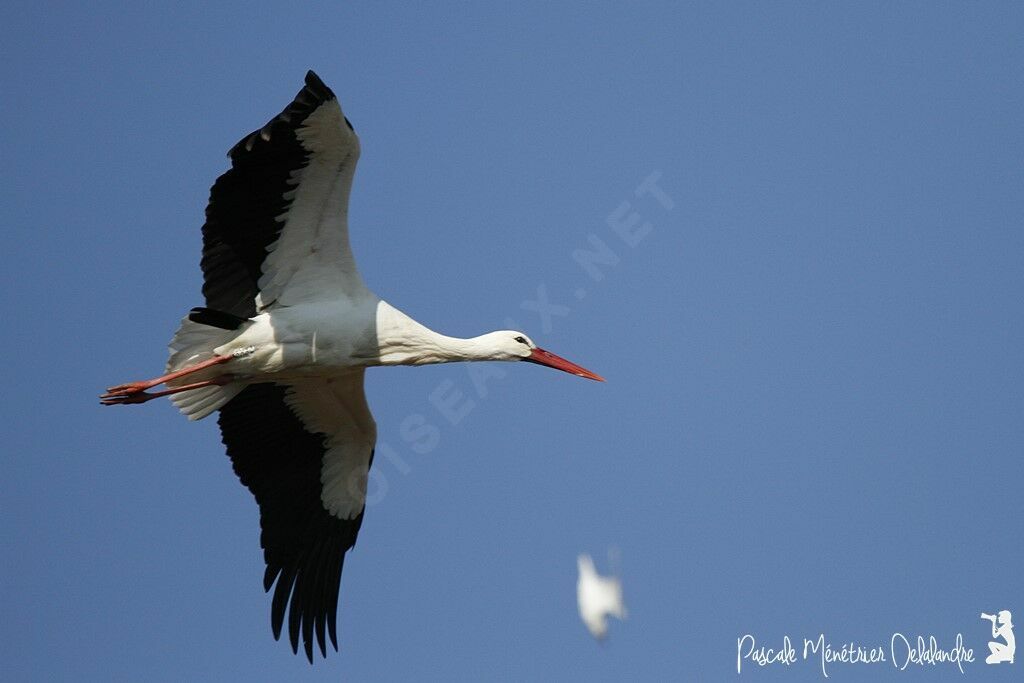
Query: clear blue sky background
[{"x": 813, "y": 415}]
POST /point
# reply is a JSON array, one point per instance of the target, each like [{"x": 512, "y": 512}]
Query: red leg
[
  {"x": 138, "y": 387},
  {"x": 128, "y": 398}
]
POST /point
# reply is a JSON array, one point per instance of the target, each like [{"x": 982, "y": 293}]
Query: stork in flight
[{"x": 281, "y": 347}]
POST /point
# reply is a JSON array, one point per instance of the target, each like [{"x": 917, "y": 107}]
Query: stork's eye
[{"x": 520, "y": 339}]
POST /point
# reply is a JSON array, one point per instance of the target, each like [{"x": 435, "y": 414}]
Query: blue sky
[{"x": 813, "y": 415}]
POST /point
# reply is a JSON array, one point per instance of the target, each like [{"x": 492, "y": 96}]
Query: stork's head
[{"x": 513, "y": 345}]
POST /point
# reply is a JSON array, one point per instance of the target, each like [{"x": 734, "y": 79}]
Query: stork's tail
[{"x": 200, "y": 333}]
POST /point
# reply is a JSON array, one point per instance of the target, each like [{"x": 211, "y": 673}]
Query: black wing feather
[
  {"x": 245, "y": 201},
  {"x": 208, "y": 316},
  {"x": 304, "y": 546}
]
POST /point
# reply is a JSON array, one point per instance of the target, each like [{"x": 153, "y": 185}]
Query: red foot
[
  {"x": 114, "y": 397},
  {"x": 135, "y": 392}
]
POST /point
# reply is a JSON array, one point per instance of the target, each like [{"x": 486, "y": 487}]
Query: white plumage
[
  {"x": 282, "y": 345},
  {"x": 598, "y": 597}
]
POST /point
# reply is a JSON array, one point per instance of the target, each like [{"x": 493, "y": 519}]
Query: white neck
[{"x": 403, "y": 341}]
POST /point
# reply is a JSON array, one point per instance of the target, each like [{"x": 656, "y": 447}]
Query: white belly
[{"x": 299, "y": 341}]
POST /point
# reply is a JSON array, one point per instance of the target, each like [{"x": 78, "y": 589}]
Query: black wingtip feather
[
  {"x": 317, "y": 612},
  {"x": 269, "y": 576},
  {"x": 313, "y": 94},
  {"x": 295, "y": 611},
  {"x": 332, "y": 604},
  {"x": 315, "y": 84},
  {"x": 311, "y": 596},
  {"x": 241, "y": 217},
  {"x": 280, "y": 602},
  {"x": 304, "y": 546}
]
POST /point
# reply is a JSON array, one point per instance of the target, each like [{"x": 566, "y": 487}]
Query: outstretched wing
[
  {"x": 277, "y": 223},
  {"x": 304, "y": 450}
]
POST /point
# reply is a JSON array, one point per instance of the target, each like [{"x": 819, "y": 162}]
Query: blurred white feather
[{"x": 598, "y": 596}]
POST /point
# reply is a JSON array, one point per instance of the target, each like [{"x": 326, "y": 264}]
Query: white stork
[{"x": 282, "y": 345}]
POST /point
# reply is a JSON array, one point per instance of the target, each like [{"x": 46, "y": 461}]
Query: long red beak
[{"x": 558, "y": 363}]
